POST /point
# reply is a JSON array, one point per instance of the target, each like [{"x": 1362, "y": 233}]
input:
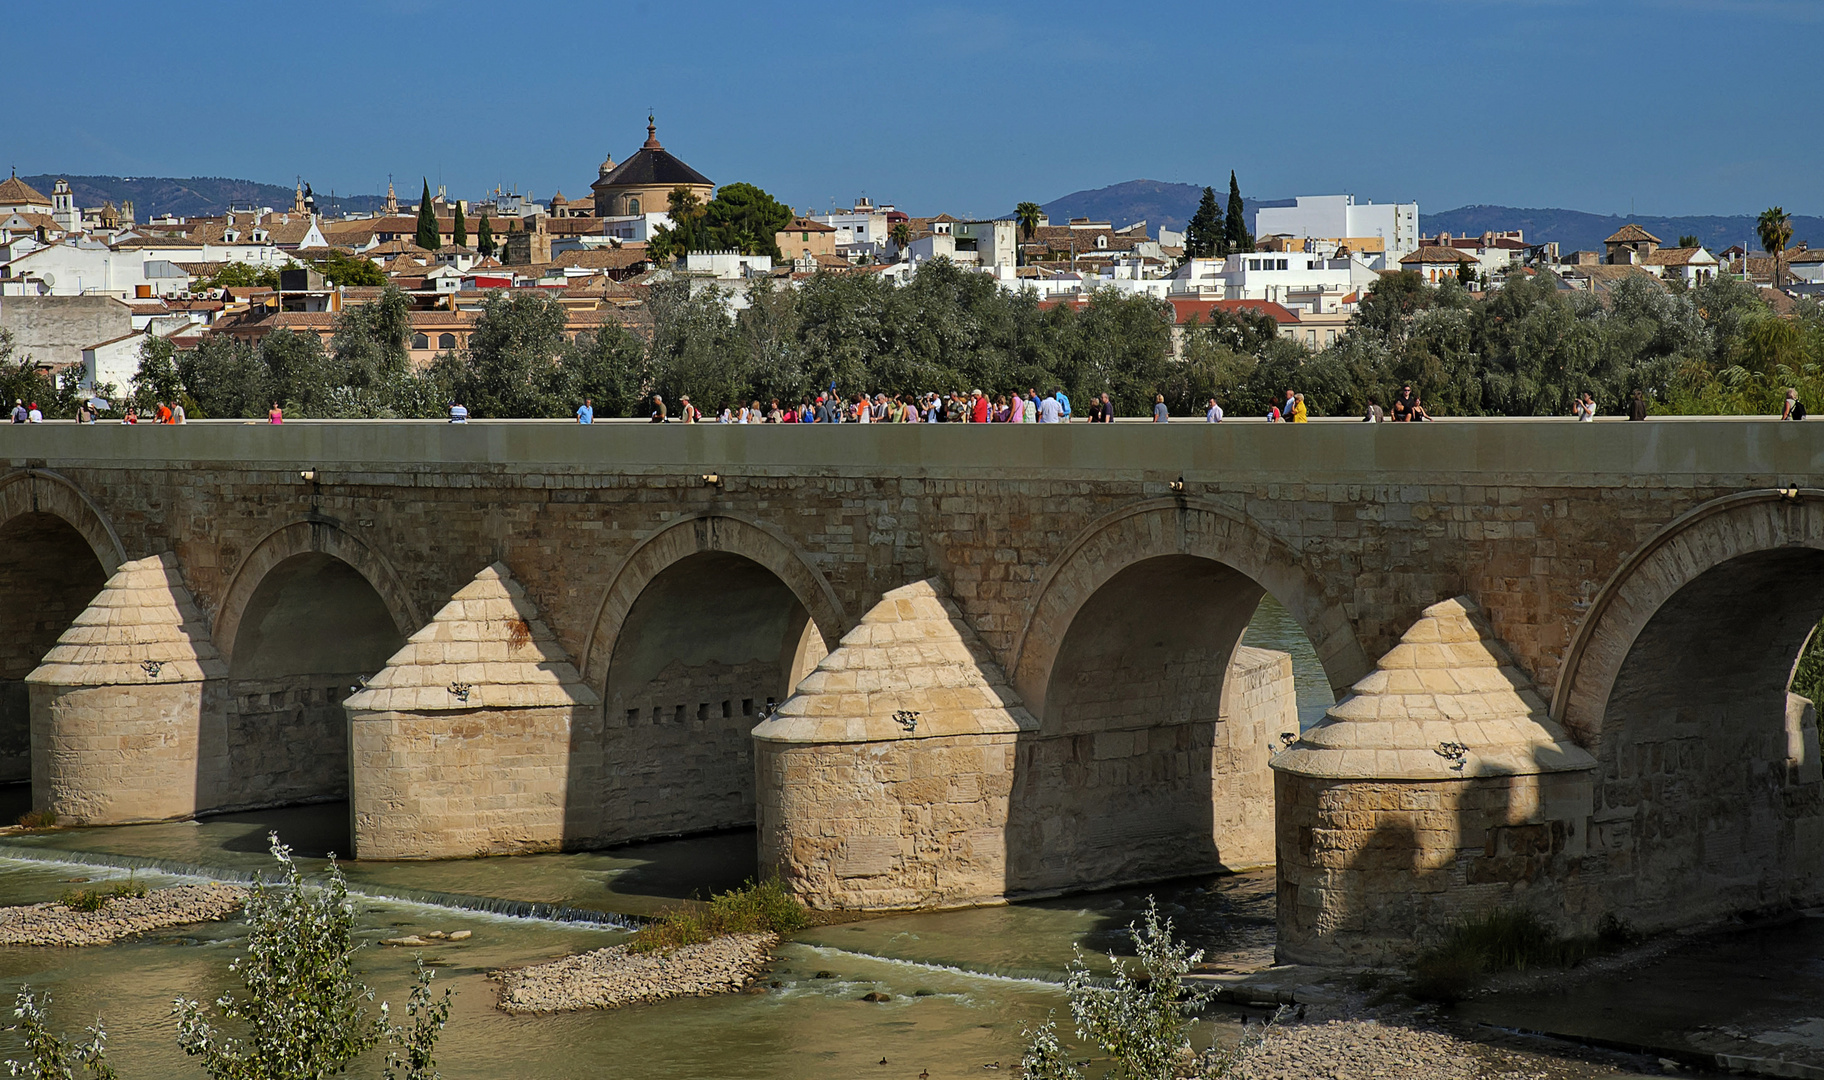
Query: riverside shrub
[
  {"x": 1142, "y": 1020},
  {"x": 766, "y": 907}
]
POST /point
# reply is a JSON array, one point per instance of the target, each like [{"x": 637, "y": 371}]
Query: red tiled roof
[{"x": 1182, "y": 310}]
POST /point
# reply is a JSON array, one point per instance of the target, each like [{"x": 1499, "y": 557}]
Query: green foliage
[
  {"x": 413, "y": 1053},
  {"x": 92, "y": 900},
  {"x": 1774, "y": 227},
  {"x": 1027, "y": 215},
  {"x": 1235, "y": 234},
  {"x": 484, "y": 235},
  {"x": 459, "y": 231},
  {"x": 238, "y": 275},
  {"x": 49, "y": 1056},
  {"x": 340, "y": 269},
  {"x": 22, "y": 380},
  {"x": 1206, "y": 237},
  {"x": 428, "y": 236},
  {"x": 38, "y": 819},
  {"x": 1142, "y": 1019},
  {"x": 511, "y": 367},
  {"x": 742, "y": 217},
  {"x": 157, "y": 380},
  {"x": 1505, "y": 940},
  {"x": 302, "y": 1010},
  {"x": 1687, "y": 240},
  {"x": 766, "y": 907}
]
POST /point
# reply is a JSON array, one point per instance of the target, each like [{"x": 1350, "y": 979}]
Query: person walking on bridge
[
  {"x": 586, "y": 413},
  {"x": 18, "y": 410},
  {"x": 660, "y": 414}
]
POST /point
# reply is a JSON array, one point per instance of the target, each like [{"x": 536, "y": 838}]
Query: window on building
[
  {"x": 1311, "y": 338},
  {"x": 446, "y": 341},
  {"x": 633, "y": 206},
  {"x": 1282, "y": 264},
  {"x": 420, "y": 341},
  {"x": 804, "y": 238}
]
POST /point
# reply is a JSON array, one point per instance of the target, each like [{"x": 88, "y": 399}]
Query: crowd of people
[
  {"x": 163, "y": 412},
  {"x": 1030, "y": 407}
]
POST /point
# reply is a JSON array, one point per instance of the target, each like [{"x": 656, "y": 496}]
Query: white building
[
  {"x": 638, "y": 227},
  {"x": 85, "y": 267},
  {"x": 987, "y": 244},
  {"x": 1341, "y": 218},
  {"x": 862, "y": 228},
  {"x": 1293, "y": 279}
]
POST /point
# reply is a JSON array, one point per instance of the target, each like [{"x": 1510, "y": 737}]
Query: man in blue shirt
[
  {"x": 459, "y": 413},
  {"x": 586, "y": 414},
  {"x": 1063, "y": 404}
]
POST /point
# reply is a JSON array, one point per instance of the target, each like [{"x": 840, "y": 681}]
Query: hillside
[
  {"x": 1161, "y": 203},
  {"x": 1154, "y": 201},
  {"x": 1578, "y": 231},
  {"x": 187, "y": 197}
]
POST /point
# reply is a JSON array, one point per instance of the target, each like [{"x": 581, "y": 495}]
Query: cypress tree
[
  {"x": 428, "y": 237},
  {"x": 1236, "y": 234},
  {"x": 459, "y": 233},
  {"x": 484, "y": 236},
  {"x": 1203, "y": 236}
]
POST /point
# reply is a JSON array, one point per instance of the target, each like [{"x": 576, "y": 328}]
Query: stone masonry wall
[
  {"x": 112, "y": 754},
  {"x": 677, "y": 757},
  {"x": 1370, "y": 872},
  {"x": 278, "y": 742},
  {"x": 458, "y": 784}
]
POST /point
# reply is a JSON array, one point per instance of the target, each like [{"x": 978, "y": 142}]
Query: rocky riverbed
[
  {"x": 615, "y": 976},
  {"x": 120, "y": 917}
]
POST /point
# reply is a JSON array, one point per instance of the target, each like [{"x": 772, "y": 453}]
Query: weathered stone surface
[
  {"x": 888, "y": 779},
  {"x": 1573, "y": 540},
  {"x": 465, "y": 743},
  {"x": 118, "y": 703},
  {"x": 1446, "y": 703}
]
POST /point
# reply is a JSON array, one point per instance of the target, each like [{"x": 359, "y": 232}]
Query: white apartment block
[{"x": 1340, "y": 217}]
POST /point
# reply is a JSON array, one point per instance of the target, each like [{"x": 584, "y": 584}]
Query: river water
[{"x": 962, "y": 985}]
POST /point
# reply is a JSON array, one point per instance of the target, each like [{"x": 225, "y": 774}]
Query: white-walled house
[
  {"x": 1291, "y": 278},
  {"x": 114, "y": 362},
  {"x": 1341, "y": 218},
  {"x": 1693, "y": 266},
  {"x": 85, "y": 267}
]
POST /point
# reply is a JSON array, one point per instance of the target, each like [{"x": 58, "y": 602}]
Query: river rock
[
  {"x": 122, "y": 916},
  {"x": 615, "y": 976}
]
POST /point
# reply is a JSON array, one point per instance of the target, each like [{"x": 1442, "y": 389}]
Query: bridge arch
[
  {"x": 705, "y": 624},
  {"x": 56, "y": 552},
  {"x": 1148, "y": 763},
  {"x": 1711, "y": 800},
  {"x": 1162, "y": 528},
  {"x": 309, "y": 613}
]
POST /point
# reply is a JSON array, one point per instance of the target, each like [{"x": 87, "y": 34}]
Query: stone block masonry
[{"x": 1108, "y": 594}]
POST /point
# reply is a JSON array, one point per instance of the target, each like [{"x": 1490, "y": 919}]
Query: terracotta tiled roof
[
  {"x": 1672, "y": 256},
  {"x": 16, "y": 191},
  {"x": 602, "y": 258},
  {"x": 1632, "y": 234},
  {"x": 1183, "y": 310},
  {"x": 804, "y": 224},
  {"x": 1429, "y": 256}
]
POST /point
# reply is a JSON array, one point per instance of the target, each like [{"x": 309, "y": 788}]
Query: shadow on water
[
  {"x": 1752, "y": 993},
  {"x": 313, "y": 832}
]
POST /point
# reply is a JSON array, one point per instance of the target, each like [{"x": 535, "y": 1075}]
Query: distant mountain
[
  {"x": 1578, "y": 231},
  {"x": 1155, "y": 202},
  {"x": 191, "y": 197}
]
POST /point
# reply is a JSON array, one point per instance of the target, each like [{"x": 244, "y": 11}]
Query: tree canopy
[
  {"x": 1206, "y": 235},
  {"x": 428, "y": 236}
]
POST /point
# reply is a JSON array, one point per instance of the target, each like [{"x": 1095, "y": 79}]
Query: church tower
[
  {"x": 63, "y": 207},
  {"x": 392, "y": 200}
]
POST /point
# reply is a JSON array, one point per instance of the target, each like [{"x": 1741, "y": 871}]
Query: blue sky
[{"x": 1663, "y": 105}]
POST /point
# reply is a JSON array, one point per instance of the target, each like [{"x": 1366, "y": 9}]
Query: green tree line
[{"x": 1528, "y": 348}]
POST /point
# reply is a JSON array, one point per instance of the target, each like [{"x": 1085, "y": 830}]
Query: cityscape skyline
[{"x": 1502, "y": 102}]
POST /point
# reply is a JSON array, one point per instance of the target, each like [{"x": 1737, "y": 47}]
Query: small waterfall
[{"x": 491, "y": 905}]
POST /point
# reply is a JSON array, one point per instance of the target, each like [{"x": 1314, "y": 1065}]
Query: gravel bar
[
  {"x": 120, "y": 917},
  {"x": 612, "y": 977}
]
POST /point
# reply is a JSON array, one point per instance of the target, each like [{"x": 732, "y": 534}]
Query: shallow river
[{"x": 962, "y": 984}]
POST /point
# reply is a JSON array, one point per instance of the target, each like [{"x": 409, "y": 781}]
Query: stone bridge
[{"x": 943, "y": 666}]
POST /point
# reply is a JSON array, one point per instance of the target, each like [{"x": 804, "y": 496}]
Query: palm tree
[
  {"x": 901, "y": 235},
  {"x": 1028, "y": 215},
  {"x": 1775, "y": 229}
]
